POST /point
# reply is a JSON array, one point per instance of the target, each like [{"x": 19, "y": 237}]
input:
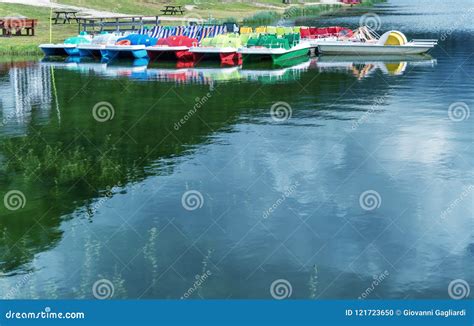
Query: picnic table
[
  {"x": 14, "y": 26},
  {"x": 173, "y": 10},
  {"x": 68, "y": 15}
]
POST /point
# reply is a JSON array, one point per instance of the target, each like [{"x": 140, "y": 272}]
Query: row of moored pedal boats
[{"x": 196, "y": 43}]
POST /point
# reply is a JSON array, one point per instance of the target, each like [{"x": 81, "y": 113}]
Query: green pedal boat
[{"x": 278, "y": 49}]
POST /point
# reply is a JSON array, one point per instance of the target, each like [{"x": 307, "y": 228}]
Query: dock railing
[{"x": 93, "y": 25}]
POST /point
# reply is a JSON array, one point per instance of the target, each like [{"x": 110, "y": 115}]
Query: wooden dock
[{"x": 94, "y": 25}]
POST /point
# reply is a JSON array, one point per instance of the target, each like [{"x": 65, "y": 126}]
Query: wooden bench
[
  {"x": 173, "y": 10},
  {"x": 15, "y": 26},
  {"x": 68, "y": 15}
]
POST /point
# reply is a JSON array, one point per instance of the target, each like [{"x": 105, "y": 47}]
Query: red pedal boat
[{"x": 173, "y": 47}]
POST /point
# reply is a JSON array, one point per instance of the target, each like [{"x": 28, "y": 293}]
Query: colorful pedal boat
[
  {"x": 69, "y": 47},
  {"x": 366, "y": 41},
  {"x": 96, "y": 48},
  {"x": 57, "y": 49},
  {"x": 125, "y": 51},
  {"x": 277, "y": 49},
  {"x": 223, "y": 47},
  {"x": 173, "y": 47}
]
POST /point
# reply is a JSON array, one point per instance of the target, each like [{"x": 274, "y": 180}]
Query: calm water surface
[{"x": 158, "y": 197}]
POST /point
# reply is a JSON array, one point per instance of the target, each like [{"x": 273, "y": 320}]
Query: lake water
[{"x": 166, "y": 182}]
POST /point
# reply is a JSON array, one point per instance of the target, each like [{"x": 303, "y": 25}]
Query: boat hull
[
  {"x": 356, "y": 49},
  {"x": 179, "y": 55},
  {"x": 96, "y": 53},
  {"x": 227, "y": 56},
  {"x": 72, "y": 51},
  {"x": 277, "y": 58},
  {"x": 54, "y": 49},
  {"x": 126, "y": 52},
  {"x": 91, "y": 50}
]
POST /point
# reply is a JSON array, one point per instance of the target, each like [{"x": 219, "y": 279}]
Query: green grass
[
  {"x": 248, "y": 13},
  {"x": 29, "y": 44}
]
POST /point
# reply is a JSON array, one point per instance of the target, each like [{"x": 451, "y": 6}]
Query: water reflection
[
  {"x": 107, "y": 196},
  {"x": 25, "y": 93},
  {"x": 187, "y": 73},
  {"x": 362, "y": 67}
]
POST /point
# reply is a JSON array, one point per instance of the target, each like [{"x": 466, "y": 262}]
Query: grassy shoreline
[{"x": 240, "y": 12}]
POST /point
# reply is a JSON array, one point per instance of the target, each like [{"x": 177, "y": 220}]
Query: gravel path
[{"x": 46, "y": 3}]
